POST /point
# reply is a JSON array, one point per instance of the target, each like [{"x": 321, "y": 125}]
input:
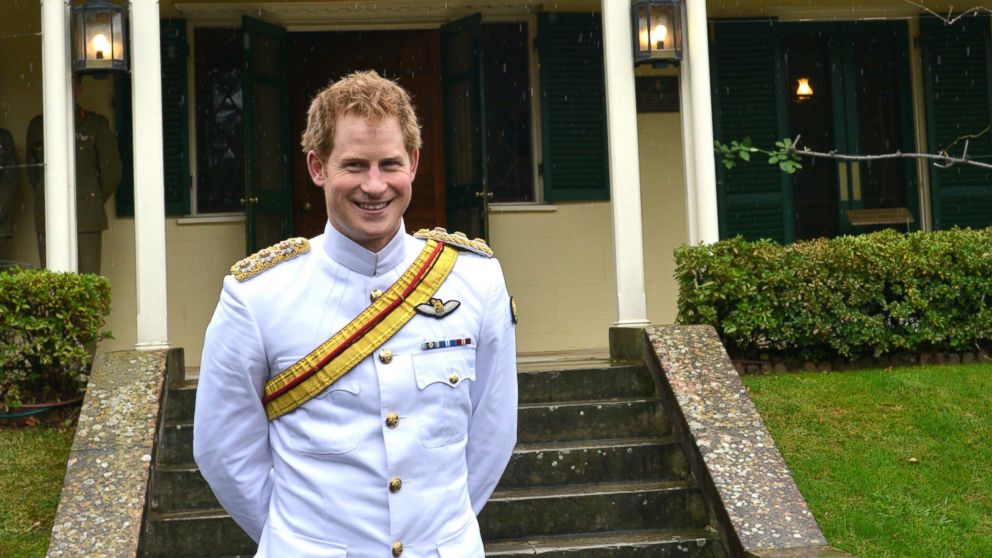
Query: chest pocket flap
[{"x": 444, "y": 407}]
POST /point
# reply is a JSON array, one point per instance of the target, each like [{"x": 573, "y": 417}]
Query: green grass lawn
[
  {"x": 893, "y": 463},
  {"x": 32, "y": 465}
]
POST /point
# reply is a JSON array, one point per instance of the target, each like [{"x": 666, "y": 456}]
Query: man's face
[{"x": 367, "y": 179}]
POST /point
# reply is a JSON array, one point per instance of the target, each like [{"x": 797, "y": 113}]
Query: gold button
[
  {"x": 395, "y": 485},
  {"x": 386, "y": 356},
  {"x": 392, "y": 420},
  {"x": 397, "y": 548},
  {"x": 375, "y": 294},
  {"x": 453, "y": 378}
]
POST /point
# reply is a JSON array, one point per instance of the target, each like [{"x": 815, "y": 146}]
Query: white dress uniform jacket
[{"x": 405, "y": 448}]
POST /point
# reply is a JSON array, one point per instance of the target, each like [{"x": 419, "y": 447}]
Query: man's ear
[
  {"x": 316, "y": 168},
  {"x": 414, "y": 161}
]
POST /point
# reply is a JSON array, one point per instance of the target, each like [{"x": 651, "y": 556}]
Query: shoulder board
[
  {"x": 456, "y": 239},
  {"x": 269, "y": 257}
]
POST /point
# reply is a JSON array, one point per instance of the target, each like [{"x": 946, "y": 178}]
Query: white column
[
  {"x": 149, "y": 179},
  {"x": 704, "y": 170},
  {"x": 688, "y": 160},
  {"x": 60, "y": 184},
  {"x": 625, "y": 177}
]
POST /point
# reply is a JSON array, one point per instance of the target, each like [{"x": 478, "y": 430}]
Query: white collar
[{"x": 355, "y": 257}]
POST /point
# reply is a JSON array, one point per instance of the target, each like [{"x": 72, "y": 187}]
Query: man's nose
[{"x": 375, "y": 183}]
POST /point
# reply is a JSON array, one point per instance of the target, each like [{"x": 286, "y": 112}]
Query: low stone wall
[
  {"x": 103, "y": 496},
  {"x": 760, "y": 511},
  {"x": 773, "y": 365}
]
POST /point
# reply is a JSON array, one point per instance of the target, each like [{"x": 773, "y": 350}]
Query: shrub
[
  {"x": 49, "y": 326},
  {"x": 851, "y": 296}
]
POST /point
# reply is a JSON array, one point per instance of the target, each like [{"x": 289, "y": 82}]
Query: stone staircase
[{"x": 596, "y": 474}]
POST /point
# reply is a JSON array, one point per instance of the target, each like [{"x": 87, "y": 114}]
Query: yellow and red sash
[{"x": 330, "y": 361}]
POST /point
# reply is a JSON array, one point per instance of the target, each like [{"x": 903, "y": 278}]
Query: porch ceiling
[
  {"x": 329, "y": 14},
  {"x": 332, "y": 14},
  {"x": 835, "y": 9}
]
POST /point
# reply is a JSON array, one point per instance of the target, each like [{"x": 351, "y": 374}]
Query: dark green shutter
[
  {"x": 573, "y": 108},
  {"x": 956, "y": 69},
  {"x": 755, "y": 199},
  {"x": 125, "y": 143},
  {"x": 175, "y": 124},
  {"x": 175, "y": 129}
]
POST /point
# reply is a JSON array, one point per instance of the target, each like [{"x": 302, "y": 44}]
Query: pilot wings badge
[{"x": 437, "y": 308}]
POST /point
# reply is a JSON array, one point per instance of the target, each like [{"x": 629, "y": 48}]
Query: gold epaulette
[
  {"x": 456, "y": 239},
  {"x": 269, "y": 257}
]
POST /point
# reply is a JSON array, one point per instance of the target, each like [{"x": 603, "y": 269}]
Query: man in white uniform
[{"x": 357, "y": 392}]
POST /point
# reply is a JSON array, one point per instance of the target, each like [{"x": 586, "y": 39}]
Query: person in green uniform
[
  {"x": 10, "y": 178},
  {"x": 98, "y": 172}
]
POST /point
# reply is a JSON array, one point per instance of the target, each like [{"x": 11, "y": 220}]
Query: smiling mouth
[{"x": 371, "y": 206}]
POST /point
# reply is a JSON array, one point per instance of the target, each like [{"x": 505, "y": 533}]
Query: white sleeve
[
  {"x": 230, "y": 429},
  {"x": 493, "y": 428}
]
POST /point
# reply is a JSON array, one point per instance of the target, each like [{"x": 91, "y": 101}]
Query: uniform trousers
[{"x": 88, "y": 245}]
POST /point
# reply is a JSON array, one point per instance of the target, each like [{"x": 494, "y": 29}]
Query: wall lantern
[
  {"x": 803, "y": 89},
  {"x": 657, "y": 28},
  {"x": 98, "y": 38}
]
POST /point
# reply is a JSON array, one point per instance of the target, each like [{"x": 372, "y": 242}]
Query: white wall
[{"x": 560, "y": 264}]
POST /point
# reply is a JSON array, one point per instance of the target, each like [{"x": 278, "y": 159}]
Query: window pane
[
  {"x": 508, "y": 116},
  {"x": 219, "y": 130}
]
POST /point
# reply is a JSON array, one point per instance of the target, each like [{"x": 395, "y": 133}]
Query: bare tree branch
[
  {"x": 950, "y": 18},
  {"x": 945, "y": 159}
]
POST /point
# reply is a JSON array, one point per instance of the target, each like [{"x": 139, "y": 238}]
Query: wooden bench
[{"x": 885, "y": 216}]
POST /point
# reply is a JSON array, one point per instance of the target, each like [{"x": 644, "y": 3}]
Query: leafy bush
[
  {"x": 851, "y": 296},
  {"x": 49, "y": 325}
]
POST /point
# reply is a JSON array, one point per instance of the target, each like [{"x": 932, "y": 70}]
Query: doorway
[
  {"x": 848, "y": 90},
  {"x": 412, "y": 58}
]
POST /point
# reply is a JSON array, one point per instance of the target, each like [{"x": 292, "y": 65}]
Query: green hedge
[
  {"x": 49, "y": 325},
  {"x": 852, "y": 296}
]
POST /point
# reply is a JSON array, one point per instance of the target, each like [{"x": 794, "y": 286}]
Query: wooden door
[
  {"x": 267, "y": 193},
  {"x": 412, "y": 58},
  {"x": 465, "y": 111}
]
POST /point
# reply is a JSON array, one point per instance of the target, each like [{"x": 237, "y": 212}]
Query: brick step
[
  {"x": 195, "y": 534},
  {"x": 592, "y": 508},
  {"x": 553, "y": 386},
  {"x": 591, "y": 420},
  {"x": 610, "y": 460},
  {"x": 180, "y": 486},
  {"x": 690, "y": 543}
]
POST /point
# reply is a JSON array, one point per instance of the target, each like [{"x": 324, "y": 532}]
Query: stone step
[
  {"x": 690, "y": 543},
  {"x": 591, "y": 420},
  {"x": 195, "y": 534},
  {"x": 552, "y": 386},
  {"x": 535, "y": 386},
  {"x": 176, "y": 445},
  {"x": 592, "y": 508},
  {"x": 180, "y": 486},
  {"x": 212, "y": 533},
  {"x": 610, "y": 460},
  {"x": 537, "y": 423},
  {"x": 180, "y": 402}
]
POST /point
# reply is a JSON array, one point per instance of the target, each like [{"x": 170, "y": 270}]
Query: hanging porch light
[
  {"x": 657, "y": 26},
  {"x": 98, "y": 37}
]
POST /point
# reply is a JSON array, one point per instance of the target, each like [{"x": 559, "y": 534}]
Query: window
[{"x": 219, "y": 113}]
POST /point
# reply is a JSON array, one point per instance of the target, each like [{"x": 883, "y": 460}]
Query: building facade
[{"x": 583, "y": 172}]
